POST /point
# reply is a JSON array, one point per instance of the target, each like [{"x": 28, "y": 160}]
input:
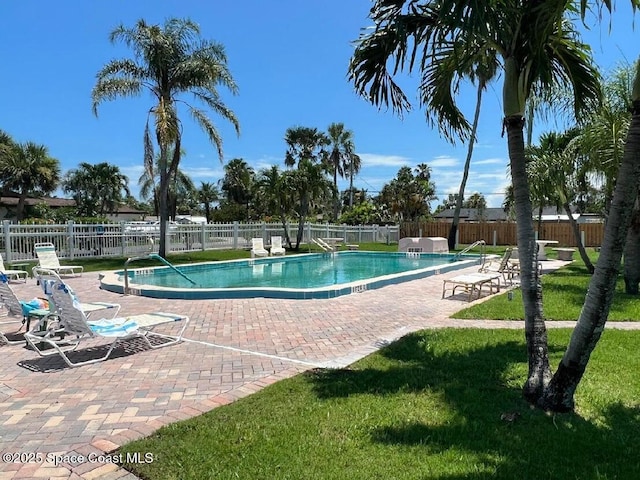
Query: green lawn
[
  {"x": 428, "y": 406},
  {"x": 563, "y": 294}
]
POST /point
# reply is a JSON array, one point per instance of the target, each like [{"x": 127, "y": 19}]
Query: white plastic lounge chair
[
  {"x": 72, "y": 327},
  {"x": 503, "y": 267},
  {"x": 47, "y": 278},
  {"x": 14, "y": 312},
  {"x": 276, "y": 246},
  {"x": 514, "y": 263},
  {"x": 48, "y": 258},
  {"x": 257, "y": 248},
  {"x": 472, "y": 283},
  {"x": 12, "y": 274}
]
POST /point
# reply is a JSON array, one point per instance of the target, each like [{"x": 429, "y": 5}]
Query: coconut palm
[
  {"x": 273, "y": 187},
  {"x": 481, "y": 73},
  {"x": 27, "y": 169},
  {"x": 342, "y": 159},
  {"x": 170, "y": 60},
  {"x": 97, "y": 189},
  {"x": 207, "y": 194},
  {"x": 537, "y": 44},
  {"x": 590, "y": 325},
  {"x": 305, "y": 150},
  {"x": 553, "y": 168},
  {"x": 238, "y": 182}
]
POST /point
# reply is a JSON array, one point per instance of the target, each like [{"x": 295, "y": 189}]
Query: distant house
[
  {"x": 549, "y": 214},
  {"x": 474, "y": 215},
  {"x": 9, "y": 202}
]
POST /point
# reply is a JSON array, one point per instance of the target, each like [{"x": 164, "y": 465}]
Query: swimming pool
[{"x": 294, "y": 276}]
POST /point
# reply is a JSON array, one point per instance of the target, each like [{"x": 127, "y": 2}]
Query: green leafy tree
[
  {"x": 27, "y": 169},
  {"x": 407, "y": 196},
  {"x": 170, "y": 60},
  {"x": 97, "y": 189}
]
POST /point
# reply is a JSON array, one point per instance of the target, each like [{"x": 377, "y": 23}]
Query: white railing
[{"x": 74, "y": 240}]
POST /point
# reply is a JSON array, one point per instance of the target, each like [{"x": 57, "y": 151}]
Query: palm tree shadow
[{"x": 491, "y": 422}]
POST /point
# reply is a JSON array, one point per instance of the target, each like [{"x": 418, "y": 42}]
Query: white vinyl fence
[{"x": 74, "y": 240}]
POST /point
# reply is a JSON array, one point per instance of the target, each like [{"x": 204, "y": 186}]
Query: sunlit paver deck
[{"x": 233, "y": 348}]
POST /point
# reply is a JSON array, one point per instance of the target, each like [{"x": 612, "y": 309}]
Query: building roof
[{"x": 493, "y": 214}]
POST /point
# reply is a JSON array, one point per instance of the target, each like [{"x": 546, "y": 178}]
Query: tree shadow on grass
[{"x": 490, "y": 426}]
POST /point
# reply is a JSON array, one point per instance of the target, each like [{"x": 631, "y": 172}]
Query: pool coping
[{"x": 110, "y": 281}]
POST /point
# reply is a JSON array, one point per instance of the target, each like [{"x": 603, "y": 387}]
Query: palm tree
[
  {"x": 553, "y": 171},
  {"x": 537, "y": 45},
  {"x": 169, "y": 61},
  {"x": 27, "y": 169},
  {"x": 97, "y": 189},
  {"x": 237, "y": 183},
  {"x": 207, "y": 194},
  {"x": 306, "y": 150},
  {"x": 482, "y": 73},
  {"x": 560, "y": 391},
  {"x": 341, "y": 158},
  {"x": 275, "y": 187}
]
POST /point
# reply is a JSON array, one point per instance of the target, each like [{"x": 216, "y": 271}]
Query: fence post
[
  {"x": 203, "y": 236},
  {"x": 457, "y": 238},
  {"x": 582, "y": 239},
  {"x": 70, "y": 239},
  {"x": 7, "y": 240},
  {"x": 123, "y": 239},
  {"x": 235, "y": 235},
  {"x": 264, "y": 232},
  {"x": 495, "y": 238}
]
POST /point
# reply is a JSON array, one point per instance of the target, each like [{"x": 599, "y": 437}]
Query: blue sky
[{"x": 289, "y": 59}]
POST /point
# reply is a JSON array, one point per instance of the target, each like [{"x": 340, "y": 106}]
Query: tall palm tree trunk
[
  {"x": 535, "y": 328},
  {"x": 576, "y": 233},
  {"x": 559, "y": 396},
  {"x": 632, "y": 253},
  {"x": 465, "y": 175}
]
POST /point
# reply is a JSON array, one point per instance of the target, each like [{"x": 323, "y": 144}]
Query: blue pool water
[{"x": 294, "y": 276}]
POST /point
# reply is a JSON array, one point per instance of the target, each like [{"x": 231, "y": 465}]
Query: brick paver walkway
[{"x": 232, "y": 349}]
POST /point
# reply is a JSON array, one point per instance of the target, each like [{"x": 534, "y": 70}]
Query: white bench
[{"x": 565, "y": 254}]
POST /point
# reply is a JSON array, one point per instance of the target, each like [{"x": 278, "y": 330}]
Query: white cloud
[
  {"x": 489, "y": 161},
  {"x": 375, "y": 160},
  {"x": 443, "y": 161}
]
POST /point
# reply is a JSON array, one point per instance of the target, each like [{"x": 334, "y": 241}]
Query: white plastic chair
[
  {"x": 276, "y": 246},
  {"x": 257, "y": 248}
]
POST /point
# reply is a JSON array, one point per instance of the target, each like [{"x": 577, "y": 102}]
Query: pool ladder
[
  {"x": 480, "y": 243},
  {"x": 154, "y": 256},
  {"x": 322, "y": 244}
]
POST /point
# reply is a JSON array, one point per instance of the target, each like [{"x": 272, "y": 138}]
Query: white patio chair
[
  {"x": 48, "y": 258},
  {"x": 276, "y": 246},
  {"x": 71, "y": 327},
  {"x": 12, "y": 274},
  {"x": 257, "y": 248},
  {"x": 47, "y": 278},
  {"x": 15, "y": 313}
]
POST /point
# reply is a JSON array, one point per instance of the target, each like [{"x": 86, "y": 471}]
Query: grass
[
  {"x": 563, "y": 296},
  {"x": 426, "y": 406}
]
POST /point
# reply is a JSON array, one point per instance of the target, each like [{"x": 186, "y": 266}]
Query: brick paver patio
[{"x": 232, "y": 349}]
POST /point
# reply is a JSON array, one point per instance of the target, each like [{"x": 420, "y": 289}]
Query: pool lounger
[{"x": 471, "y": 283}]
